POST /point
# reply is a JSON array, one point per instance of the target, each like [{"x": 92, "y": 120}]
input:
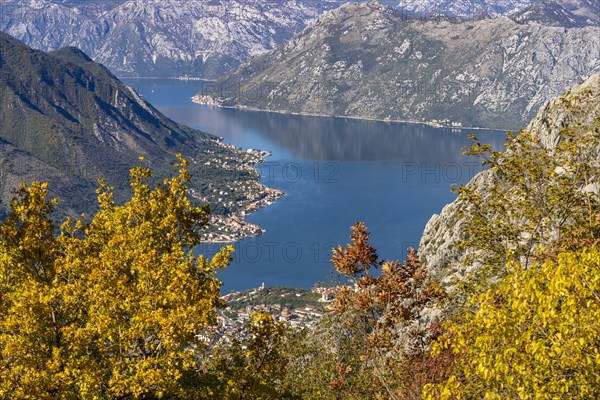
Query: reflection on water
[
  {"x": 334, "y": 171},
  {"x": 312, "y": 138},
  {"x": 339, "y": 139}
]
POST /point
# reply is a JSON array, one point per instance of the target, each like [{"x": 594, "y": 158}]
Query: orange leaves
[
  {"x": 359, "y": 256},
  {"x": 385, "y": 310},
  {"x": 401, "y": 290},
  {"x": 342, "y": 299},
  {"x": 342, "y": 371}
]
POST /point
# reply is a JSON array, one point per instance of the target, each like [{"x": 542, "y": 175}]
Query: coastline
[
  {"x": 209, "y": 101},
  {"x": 234, "y": 227},
  {"x": 176, "y": 78}
]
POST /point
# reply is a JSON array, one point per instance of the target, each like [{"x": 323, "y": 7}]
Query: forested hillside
[{"x": 67, "y": 120}]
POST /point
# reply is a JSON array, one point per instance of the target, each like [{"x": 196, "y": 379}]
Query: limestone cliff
[{"x": 443, "y": 231}]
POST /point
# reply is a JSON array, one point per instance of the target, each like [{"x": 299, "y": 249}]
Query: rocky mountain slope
[
  {"x": 584, "y": 11},
  {"x": 462, "y": 8},
  {"x": 161, "y": 38},
  {"x": 67, "y": 120},
  {"x": 438, "y": 244},
  {"x": 369, "y": 61},
  {"x": 566, "y": 13}
]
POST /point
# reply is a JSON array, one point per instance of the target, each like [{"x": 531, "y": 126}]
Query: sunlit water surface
[{"x": 334, "y": 172}]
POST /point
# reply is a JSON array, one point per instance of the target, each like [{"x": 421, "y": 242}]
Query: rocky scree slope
[
  {"x": 67, "y": 120},
  {"x": 369, "y": 61},
  {"x": 437, "y": 248}
]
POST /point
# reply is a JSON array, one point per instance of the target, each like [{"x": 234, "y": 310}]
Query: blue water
[{"x": 334, "y": 172}]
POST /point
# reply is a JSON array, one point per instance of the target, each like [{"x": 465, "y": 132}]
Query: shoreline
[
  {"x": 234, "y": 227},
  {"x": 175, "y": 78},
  {"x": 244, "y": 229},
  {"x": 214, "y": 103},
  {"x": 304, "y": 114}
]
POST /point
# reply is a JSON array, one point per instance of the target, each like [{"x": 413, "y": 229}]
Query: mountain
[
  {"x": 199, "y": 38},
  {"x": 67, "y": 120},
  {"x": 370, "y": 61},
  {"x": 584, "y": 11},
  {"x": 566, "y": 13},
  {"x": 569, "y": 12},
  {"x": 438, "y": 244},
  {"x": 462, "y": 8},
  {"x": 161, "y": 38}
]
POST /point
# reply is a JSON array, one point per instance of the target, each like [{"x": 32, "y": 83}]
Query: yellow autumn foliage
[
  {"x": 534, "y": 335},
  {"x": 109, "y": 309}
]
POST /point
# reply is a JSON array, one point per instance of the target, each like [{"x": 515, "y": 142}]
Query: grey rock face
[
  {"x": 442, "y": 232},
  {"x": 200, "y": 38},
  {"x": 369, "y": 61},
  {"x": 554, "y": 115}
]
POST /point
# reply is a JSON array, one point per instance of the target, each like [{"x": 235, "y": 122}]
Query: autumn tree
[
  {"x": 526, "y": 314},
  {"x": 109, "y": 309},
  {"x": 531, "y": 197},
  {"x": 535, "y": 334},
  {"x": 376, "y": 332}
]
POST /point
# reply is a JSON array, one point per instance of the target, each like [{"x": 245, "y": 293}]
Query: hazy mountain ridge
[
  {"x": 67, "y": 120},
  {"x": 370, "y": 61},
  {"x": 161, "y": 38}
]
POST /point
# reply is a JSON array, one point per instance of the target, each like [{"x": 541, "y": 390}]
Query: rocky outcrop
[
  {"x": 583, "y": 109},
  {"x": 438, "y": 243},
  {"x": 369, "y": 61}
]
